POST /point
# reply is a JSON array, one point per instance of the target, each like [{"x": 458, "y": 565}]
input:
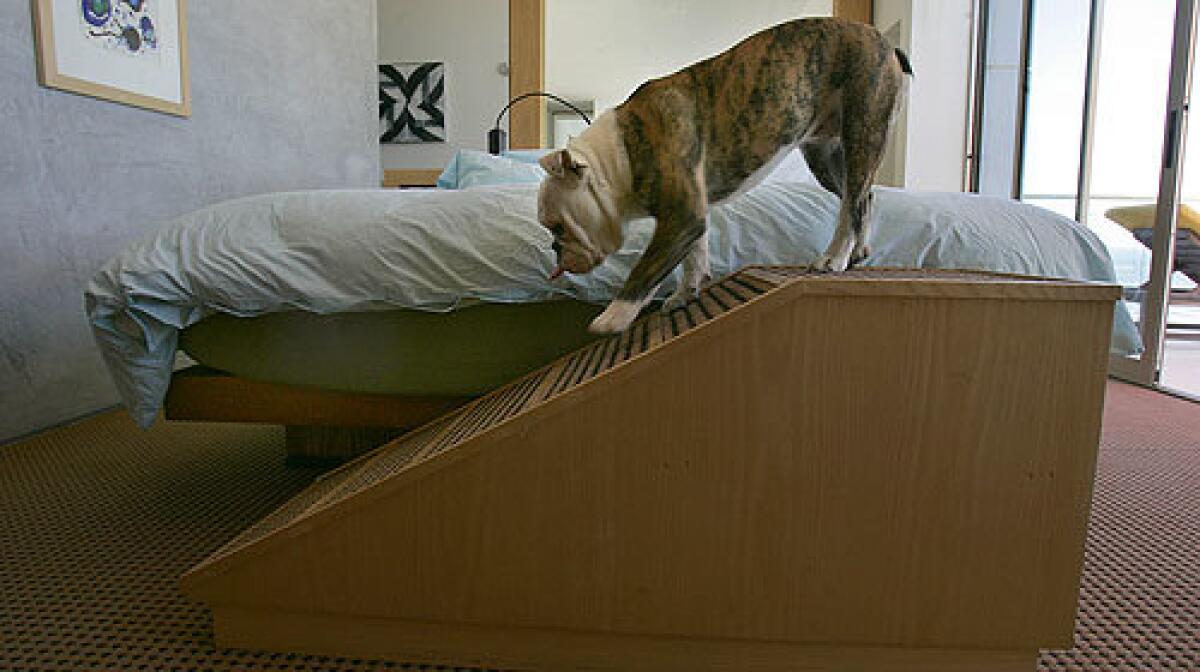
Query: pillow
[
  {"x": 472, "y": 168},
  {"x": 526, "y": 155},
  {"x": 792, "y": 168}
]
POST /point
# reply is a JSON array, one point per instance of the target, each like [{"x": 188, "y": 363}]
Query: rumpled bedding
[{"x": 436, "y": 250}]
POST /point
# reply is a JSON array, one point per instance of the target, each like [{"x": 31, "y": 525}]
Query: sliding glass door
[
  {"x": 1180, "y": 366},
  {"x": 1105, "y": 118}
]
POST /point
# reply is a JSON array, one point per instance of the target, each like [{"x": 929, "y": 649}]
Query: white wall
[
  {"x": 602, "y": 51},
  {"x": 471, "y": 38},
  {"x": 936, "y": 121},
  {"x": 894, "y": 20}
]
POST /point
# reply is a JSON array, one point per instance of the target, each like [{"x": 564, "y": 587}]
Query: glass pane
[
  {"x": 1058, "y": 50},
  {"x": 1131, "y": 103},
  {"x": 1001, "y": 98}
]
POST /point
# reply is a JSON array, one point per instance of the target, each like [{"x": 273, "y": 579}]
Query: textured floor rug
[{"x": 98, "y": 520}]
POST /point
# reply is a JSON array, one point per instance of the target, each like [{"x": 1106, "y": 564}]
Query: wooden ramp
[{"x": 879, "y": 470}]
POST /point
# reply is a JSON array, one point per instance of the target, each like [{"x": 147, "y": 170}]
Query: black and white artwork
[{"x": 411, "y": 102}]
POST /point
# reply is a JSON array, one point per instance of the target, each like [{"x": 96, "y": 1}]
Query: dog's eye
[{"x": 557, "y": 230}]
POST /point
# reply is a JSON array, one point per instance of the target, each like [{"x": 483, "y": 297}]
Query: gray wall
[{"x": 281, "y": 99}]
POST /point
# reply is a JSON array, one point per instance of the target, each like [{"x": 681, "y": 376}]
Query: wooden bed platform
[
  {"x": 321, "y": 426},
  {"x": 873, "y": 470}
]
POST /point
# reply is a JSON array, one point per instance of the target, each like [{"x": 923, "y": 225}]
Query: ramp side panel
[{"x": 847, "y": 469}]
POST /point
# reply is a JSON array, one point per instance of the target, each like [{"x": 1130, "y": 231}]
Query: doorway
[{"x": 1101, "y": 132}]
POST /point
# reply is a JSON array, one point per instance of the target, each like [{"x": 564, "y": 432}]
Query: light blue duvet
[{"x": 333, "y": 251}]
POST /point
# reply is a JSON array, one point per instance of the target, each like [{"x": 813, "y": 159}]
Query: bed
[{"x": 362, "y": 300}]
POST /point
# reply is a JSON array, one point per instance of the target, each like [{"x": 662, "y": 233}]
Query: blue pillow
[
  {"x": 526, "y": 155},
  {"x": 473, "y": 168}
]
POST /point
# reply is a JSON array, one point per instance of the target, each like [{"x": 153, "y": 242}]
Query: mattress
[
  {"x": 465, "y": 352},
  {"x": 333, "y": 252}
]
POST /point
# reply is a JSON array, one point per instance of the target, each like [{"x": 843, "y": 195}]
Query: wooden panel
[
  {"x": 526, "y": 62},
  {"x": 855, "y": 10},
  {"x": 203, "y": 394},
  {"x": 510, "y": 648},
  {"x": 410, "y": 178},
  {"x": 872, "y": 458}
]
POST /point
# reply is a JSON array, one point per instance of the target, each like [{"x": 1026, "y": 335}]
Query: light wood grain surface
[
  {"x": 855, "y": 10},
  {"x": 905, "y": 467},
  {"x": 209, "y": 396},
  {"x": 398, "y": 177},
  {"x": 527, "y": 72},
  {"x": 555, "y": 651}
]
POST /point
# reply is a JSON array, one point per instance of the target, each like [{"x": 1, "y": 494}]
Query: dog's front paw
[
  {"x": 680, "y": 298},
  {"x": 616, "y": 317},
  {"x": 860, "y": 254},
  {"x": 834, "y": 263}
]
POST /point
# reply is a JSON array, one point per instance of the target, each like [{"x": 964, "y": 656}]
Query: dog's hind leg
[
  {"x": 866, "y": 120},
  {"x": 825, "y": 160},
  {"x": 851, "y": 243},
  {"x": 869, "y": 141},
  {"x": 846, "y": 235},
  {"x": 866, "y": 221}
]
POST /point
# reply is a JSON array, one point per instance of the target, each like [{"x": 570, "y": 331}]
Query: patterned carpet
[
  {"x": 1139, "y": 603},
  {"x": 98, "y": 519}
]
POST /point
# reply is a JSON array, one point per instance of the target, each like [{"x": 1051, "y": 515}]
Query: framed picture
[
  {"x": 127, "y": 51},
  {"x": 412, "y": 98}
]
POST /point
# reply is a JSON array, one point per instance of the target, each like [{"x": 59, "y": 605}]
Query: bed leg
[{"x": 318, "y": 445}]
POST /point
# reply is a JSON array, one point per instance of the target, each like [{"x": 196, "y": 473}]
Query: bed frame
[
  {"x": 320, "y": 426},
  {"x": 873, "y": 470}
]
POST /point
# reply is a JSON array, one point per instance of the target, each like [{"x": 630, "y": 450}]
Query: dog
[{"x": 713, "y": 130}]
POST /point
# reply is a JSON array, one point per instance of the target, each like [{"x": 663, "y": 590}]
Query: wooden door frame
[
  {"x": 526, "y": 72},
  {"x": 855, "y": 10}
]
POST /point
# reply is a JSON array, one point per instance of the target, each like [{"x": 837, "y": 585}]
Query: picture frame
[
  {"x": 412, "y": 102},
  {"x": 132, "y": 52}
]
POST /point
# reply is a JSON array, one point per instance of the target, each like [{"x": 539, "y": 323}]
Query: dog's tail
[
  {"x": 905, "y": 65},
  {"x": 902, "y": 94}
]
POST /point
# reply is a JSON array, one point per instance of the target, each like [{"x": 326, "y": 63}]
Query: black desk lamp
[{"x": 498, "y": 139}]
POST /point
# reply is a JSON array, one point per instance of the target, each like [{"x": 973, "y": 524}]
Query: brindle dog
[{"x": 711, "y": 131}]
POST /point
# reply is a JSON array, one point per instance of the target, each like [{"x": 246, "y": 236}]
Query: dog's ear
[{"x": 563, "y": 163}]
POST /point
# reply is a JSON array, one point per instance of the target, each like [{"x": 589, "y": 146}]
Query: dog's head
[{"x": 579, "y": 211}]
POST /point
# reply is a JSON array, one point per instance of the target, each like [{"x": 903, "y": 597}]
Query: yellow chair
[{"x": 1139, "y": 220}]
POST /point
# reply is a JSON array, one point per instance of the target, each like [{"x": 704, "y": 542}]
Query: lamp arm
[{"x": 523, "y": 96}]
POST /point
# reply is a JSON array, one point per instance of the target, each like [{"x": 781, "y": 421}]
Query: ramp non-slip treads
[{"x": 505, "y": 403}]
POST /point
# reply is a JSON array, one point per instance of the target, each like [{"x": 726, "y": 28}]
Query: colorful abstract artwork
[
  {"x": 411, "y": 102},
  {"x": 127, "y": 25},
  {"x": 127, "y": 51}
]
